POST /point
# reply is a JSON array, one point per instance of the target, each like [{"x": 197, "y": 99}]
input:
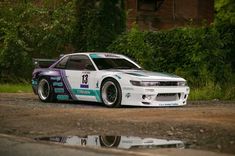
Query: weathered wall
[{"x": 172, "y": 13}]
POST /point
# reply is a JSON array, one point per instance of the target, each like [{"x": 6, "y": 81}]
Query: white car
[
  {"x": 122, "y": 142},
  {"x": 112, "y": 79}
]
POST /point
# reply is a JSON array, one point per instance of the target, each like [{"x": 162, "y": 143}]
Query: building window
[{"x": 149, "y": 5}]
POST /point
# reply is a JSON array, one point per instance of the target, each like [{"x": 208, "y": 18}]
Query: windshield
[{"x": 114, "y": 63}]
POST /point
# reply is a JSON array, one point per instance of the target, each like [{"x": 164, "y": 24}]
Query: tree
[
  {"x": 225, "y": 24},
  {"x": 98, "y": 23}
]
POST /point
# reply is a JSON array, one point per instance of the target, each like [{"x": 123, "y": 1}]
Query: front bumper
[{"x": 155, "y": 96}]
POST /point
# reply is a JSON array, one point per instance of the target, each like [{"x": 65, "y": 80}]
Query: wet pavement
[
  {"x": 120, "y": 142},
  {"x": 20, "y": 146}
]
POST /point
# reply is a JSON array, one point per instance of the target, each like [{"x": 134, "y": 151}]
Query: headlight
[
  {"x": 182, "y": 83},
  {"x": 145, "y": 83}
]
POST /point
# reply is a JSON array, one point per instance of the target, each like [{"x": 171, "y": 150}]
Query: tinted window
[
  {"x": 62, "y": 63},
  {"x": 79, "y": 62},
  {"x": 114, "y": 63}
]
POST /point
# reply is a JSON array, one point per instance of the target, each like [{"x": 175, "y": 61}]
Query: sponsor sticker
[
  {"x": 59, "y": 90},
  {"x": 62, "y": 97},
  {"x": 57, "y": 84},
  {"x": 87, "y": 92},
  {"x": 56, "y": 78},
  {"x": 84, "y": 86},
  {"x": 110, "y": 55},
  {"x": 168, "y": 104}
]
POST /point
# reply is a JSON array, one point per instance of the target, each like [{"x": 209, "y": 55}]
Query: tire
[
  {"x": 109, "y": 141},
  {"x": 45, "y": 90},
  {"x": 111, "y": 93}
]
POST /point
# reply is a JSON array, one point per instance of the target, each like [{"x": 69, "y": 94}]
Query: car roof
[{"x": 100, "y": 54}]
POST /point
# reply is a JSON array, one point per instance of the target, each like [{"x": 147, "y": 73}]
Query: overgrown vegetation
[
  {"x": 197, "y": 54},
  {"x": 204, "y": 56},
  {"x": 47, "y": 28},
  {"x": 29, "y": 31},
  {"x": 98, "y": 23}
]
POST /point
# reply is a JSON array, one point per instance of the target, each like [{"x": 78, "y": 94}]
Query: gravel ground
[{"x": 207, "y": 125}]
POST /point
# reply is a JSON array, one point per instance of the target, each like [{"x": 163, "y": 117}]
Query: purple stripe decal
[{"x": 67, "y": 85}]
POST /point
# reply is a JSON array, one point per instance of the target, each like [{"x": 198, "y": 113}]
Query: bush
[
  {"x": 197, "y": 54},
  {"x": 28, "y": 31},
  {"x": 133, "y": 45},
  {"x": 98, "y": 23}
]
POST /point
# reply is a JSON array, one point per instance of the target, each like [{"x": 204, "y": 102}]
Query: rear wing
[{"x": 43, "y": 63}]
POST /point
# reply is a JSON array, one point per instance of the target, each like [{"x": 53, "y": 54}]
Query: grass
[
  {"x": 15, "y": 88},
  {"x": 213, "y": 92}
]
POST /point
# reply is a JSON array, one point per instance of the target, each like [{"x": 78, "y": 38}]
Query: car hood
[{"x": 151, "y": 76}]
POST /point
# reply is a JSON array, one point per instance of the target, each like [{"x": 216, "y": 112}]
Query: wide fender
[
  {"x": 101, "y": 80},
  {"x": 49, "y": 73},
  {"x": 121, "y": 78}
]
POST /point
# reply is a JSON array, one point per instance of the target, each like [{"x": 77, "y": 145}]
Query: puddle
[{"x": 122, "y": 142}]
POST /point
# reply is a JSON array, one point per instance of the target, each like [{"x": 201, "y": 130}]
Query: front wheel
[
  {"x": 111, "y": 93},
  {"x": 45, "y": 90}
]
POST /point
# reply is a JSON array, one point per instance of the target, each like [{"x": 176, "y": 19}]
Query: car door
[{"x": 81, "y": 74}]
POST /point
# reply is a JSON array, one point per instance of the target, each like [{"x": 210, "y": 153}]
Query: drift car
[
  {"x": 112, "y": 79},
  {"x": 122, "y": 142}
]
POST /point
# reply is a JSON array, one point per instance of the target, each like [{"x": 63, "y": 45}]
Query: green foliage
[
  {"x": 133, "y": 45},
  {"x": 204, "y": 56},
  {"x": 98, "y": 23},
  {"x": 208, "y": 92},
  {"x": 15, "y": 88},
  {"x": 225, "y": 12},
  {"x": 28, "y": 31},
  {"x": 225, "y": 24},
  {"x": 197, "y": 54}
]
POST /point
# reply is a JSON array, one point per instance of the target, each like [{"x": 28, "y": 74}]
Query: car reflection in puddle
[{"x": 122, "y": 142}]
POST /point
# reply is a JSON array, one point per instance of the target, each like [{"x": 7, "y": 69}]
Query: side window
[
  {"x": 79, "y": 62},
  {"x": 62, "y": 63}
]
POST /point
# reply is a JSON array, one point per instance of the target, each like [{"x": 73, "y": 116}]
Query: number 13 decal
[{"x": 85, "y": 79}]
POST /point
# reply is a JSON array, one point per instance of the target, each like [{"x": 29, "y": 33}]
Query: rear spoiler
[{"x": 43, "y": 63}]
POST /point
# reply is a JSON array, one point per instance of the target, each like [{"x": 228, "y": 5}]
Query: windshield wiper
[{"x": 122, "y": 68}]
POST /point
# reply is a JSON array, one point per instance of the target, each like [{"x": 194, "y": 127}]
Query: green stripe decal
[
  {"x": 34, "y": 82},
  {"x": 59, "y": 90},
  {"x": 58, "y": 84},
  {"x": 62, "y": 97},
  {"x": 87, "y": 92},
  {"x": 94, "y": 56}
]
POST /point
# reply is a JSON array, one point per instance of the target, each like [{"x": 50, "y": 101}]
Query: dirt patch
[{"x": 209, "y": 125}]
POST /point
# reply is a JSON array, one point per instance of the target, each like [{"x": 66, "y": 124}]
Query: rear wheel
[
  {"x": 111, "y": 93},
  {"x": 45, "y": 92},
  {"x": 109, "y": 141}
]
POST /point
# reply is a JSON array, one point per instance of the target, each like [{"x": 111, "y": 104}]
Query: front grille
[
  {"x": 168, "y": 97},
  {"x": 168, "y": 83}
]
